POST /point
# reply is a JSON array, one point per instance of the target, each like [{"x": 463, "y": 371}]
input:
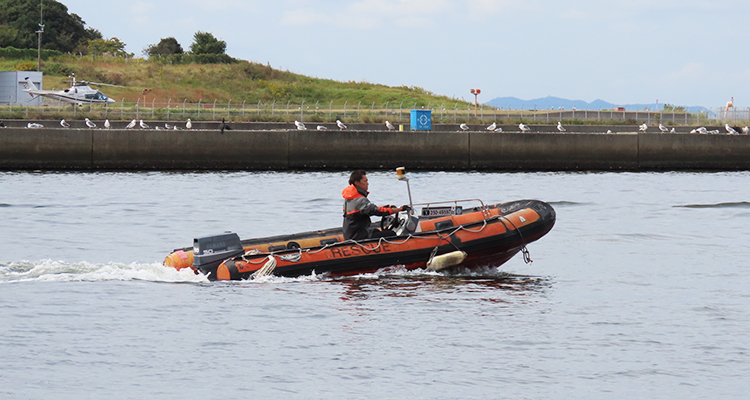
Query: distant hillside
[{"x": 550, "y": 102}]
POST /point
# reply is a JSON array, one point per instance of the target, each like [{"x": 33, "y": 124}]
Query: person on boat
[{"x": 358, "y": 209}]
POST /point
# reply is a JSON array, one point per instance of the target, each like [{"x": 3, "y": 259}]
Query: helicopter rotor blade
[{"x": 99, "y": 83}]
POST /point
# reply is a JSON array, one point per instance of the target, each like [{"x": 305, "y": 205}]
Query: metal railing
[{"x": 395, "y": 112}]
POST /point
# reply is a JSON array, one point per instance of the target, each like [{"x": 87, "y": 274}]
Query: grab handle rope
[{"x": 524, "y": 251}]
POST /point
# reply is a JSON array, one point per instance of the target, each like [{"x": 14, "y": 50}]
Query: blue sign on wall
[{"x": 421, "y": 120}]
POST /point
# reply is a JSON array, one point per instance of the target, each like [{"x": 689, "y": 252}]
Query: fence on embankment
[{"x": 442, "y": 113}]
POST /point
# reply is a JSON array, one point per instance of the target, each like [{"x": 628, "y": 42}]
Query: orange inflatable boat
[{"x": 461, "y": 233}]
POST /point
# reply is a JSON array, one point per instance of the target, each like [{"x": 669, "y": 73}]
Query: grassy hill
[{"x": 243, "y": 81}]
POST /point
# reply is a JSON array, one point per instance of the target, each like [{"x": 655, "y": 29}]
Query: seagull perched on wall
[
  {"x": 730, "y": 130},
  {"x": 189, "y": 124},
  {"x": 523, "y": 128},
  {"x": 492, "y": 127},
  {"x": 143, "y": 125},
  {"x": 389, "y": 126},
  {"x": 643, "y": 127},
  {"x": 560, "y": 127},
  {"x": 340, "y": 125},
  {"x": 89, "y": 123},
  {"x": 746, "y": 130},
  {"x": 464, "y": 127},
  {"x": 300, "y": 126},
  {"x": 673, "y": 130},
  {"x": 34, "y": 125},
  {"x": 498, "y": 129},
  {"x": 663, "y": 128},
  {"x": 131, "y": 125},
  {"x": 321, "y": 128},
  {"x": 64, "y": 124},
  {"x": 224, "y": 126},
  {"x": 107, "y": 125}
]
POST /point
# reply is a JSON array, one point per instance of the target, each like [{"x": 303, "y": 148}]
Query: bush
[
  {"x": 193, "y": 59},
  {"x": 13, "y": 53},
  {"x": 25, "y": 66},
  {"x": 58, "y": 69}
]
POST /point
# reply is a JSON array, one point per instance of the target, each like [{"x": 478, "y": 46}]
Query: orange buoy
[{"x": 179, "y": 259}]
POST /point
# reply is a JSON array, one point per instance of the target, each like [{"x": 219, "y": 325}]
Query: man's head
[{"x": 358, "y": 178}]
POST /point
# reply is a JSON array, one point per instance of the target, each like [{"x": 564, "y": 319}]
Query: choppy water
[{"x": 639, "y": 291}]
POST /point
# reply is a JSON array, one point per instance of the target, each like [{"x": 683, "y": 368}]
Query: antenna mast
[{"x": 39, "y": 34}]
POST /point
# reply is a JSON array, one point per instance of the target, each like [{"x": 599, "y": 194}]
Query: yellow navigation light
[{"x": 401, "y": 173}]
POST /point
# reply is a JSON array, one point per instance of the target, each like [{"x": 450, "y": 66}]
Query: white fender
[{"x": 446, "y": 260}]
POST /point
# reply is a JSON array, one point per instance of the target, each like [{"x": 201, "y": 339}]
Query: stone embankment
[{"x": 256, "y": 146}]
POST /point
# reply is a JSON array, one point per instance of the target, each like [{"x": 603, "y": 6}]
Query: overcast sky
[{"x": 683, "y": 52}]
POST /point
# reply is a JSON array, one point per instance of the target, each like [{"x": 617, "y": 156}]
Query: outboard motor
[{"x": 210, "y": 251}]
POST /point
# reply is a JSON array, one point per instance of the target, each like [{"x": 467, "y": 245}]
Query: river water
[{"x": 639, "y": 291}]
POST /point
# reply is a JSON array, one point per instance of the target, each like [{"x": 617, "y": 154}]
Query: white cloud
[
  {"x": 368, "y": 14},
  {"x": 141, "y": 12},
  {"x": 485, "y": 9}
]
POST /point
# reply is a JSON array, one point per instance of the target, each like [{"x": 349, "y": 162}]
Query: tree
[
  {"x": 671, "y": 108},
  {"x": 110, "y": 47},
  {"x": 19, "y": 21},
  {"x": 206, "y": 43},
  {"x": 166, "y": 47}
]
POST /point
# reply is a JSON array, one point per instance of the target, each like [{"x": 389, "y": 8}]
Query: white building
[{"x": 12, "y": 84}]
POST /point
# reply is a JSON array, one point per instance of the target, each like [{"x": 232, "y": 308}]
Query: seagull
[
  {"x": 389, "y": 126},
  {"x": 34, "y": 125},
  {"x": 702, "y": 130},
  {"x": 131, "y": 125},
  {"x": 730, "y": 130},
  {"x": 189, "y": 124},
  {"x": 746, "y": 130},
  {"x": 143, "y": 125},
  {"x": 609, "y": 132},
  {"x": 464, "y": 127},
  {"x": 321, "y": 128},
  {"x": 224, "y": 126},
  {"x": 107, "y": 124},
  {"x": 492, "y": 127},
  {"x": 560, "y": 127},
  {"x": 89, "y": 123},
  {"x": 340, "y": 125},
  {"x": 643, "y": 127},
  {"x": 523, "y": 128},
  {"x": 714, "y": 132},
  {"x": 673, "y": 130},
  {"x": 64, "y": 124},
  {"x": 498, "y": 129},
  {"x": 2, "y": 124},
  {"x": 167, "y": 126},
  {"x": 663, "y": 128},
  {"x": 300, "y": 126}
]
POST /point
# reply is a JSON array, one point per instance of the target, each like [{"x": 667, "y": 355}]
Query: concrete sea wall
[{"x": 119, "y": 149}]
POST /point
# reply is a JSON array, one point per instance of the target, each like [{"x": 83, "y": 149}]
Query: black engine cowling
[{"x": 210, "y": 251}]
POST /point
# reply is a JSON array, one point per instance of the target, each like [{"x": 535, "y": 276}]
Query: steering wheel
[{"x": 389, "y": 222}]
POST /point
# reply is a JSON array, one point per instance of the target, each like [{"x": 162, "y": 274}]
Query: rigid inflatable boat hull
[{"x": 489, "y": 242}]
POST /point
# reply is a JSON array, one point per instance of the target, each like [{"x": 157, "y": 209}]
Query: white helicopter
[{"x": 79, "y": 93}]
